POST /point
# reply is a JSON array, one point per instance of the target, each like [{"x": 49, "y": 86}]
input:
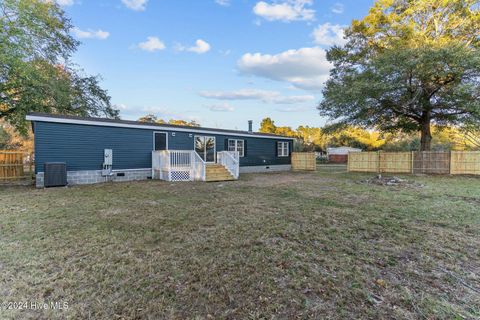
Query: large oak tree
[
  {"x": 407, "y": 65},
  {"x": 35, "y": 69}
]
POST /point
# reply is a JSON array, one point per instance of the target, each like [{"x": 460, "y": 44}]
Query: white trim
[
  {"x": 139, "y": 169},
  {"x": 115, "y": 170},
  {"x": 166, "y": 139},
  {"x": 137, "y": 126},
  {"x": 282, "y": 148},
  {"x": 236, "y": 146}
]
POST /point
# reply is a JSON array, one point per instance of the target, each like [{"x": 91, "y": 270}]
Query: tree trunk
[{"x": 426, "y": 134}]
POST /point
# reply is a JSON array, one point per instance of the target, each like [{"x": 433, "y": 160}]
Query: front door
[
  {"x": 205, "y": 147},
  {"x": 160, "y": 141}
]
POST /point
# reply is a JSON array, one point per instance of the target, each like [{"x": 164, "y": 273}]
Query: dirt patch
[{"x": 392, "y": 181}]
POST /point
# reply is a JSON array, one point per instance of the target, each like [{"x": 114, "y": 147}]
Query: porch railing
[
  {"x": 173, "y": 165},
  {"x": 230, "y": 160},
  {"x": 199, "y": 167},
  {"x": 187, "y": 165}
]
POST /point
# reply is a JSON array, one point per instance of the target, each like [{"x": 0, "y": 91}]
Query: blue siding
[{"x": 81, "y": 146}]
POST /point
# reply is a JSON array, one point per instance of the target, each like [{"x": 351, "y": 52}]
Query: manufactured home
[{"x": 75, "y": 150}]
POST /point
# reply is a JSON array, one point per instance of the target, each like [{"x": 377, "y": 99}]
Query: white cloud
[
  {"x": 305, "y": 68},
  {"x": 152, "y": 44},
  {"x": 329, "y": 34},
  {"x": 255, "y": 94},
  {"x": 200, "y": 47},
  {"x": 224, "y": 3},
  {"x": 294, "y": 109},
  {"x": 338, "y": 8},
  {"x": 91, "y": 34},
  {"x": 225, "y": 107},
  {"x": 287, "y": 10},
  {"x": 136, "y": 5}
]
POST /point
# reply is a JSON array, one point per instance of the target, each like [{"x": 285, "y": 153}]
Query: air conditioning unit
[{"x": 55, "y": 174}]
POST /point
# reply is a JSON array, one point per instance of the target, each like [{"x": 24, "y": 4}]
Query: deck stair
[{"x": 217, "y": 172}]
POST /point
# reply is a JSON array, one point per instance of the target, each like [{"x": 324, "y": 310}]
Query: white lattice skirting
[{"x": 181, "y": 175}]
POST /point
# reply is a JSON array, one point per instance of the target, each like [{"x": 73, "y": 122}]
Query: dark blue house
[{"x": 97, "y": 150}]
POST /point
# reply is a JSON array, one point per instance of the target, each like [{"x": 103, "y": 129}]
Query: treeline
[
  {"x": 11, "y": 139},
  {"x": 319, "y": 139},
  {"x": 151, "y": 118}
]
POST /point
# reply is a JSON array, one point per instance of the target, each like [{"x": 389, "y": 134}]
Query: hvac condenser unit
[{"x": 55, "y": 174}]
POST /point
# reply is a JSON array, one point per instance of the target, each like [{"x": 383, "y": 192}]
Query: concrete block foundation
[{"x": 95, "y": 176}]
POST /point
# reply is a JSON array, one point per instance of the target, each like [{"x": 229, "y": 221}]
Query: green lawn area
[{"x": 287, "y": 245}]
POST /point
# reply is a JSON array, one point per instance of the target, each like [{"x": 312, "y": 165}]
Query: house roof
[{"x": 46, "y": 117}]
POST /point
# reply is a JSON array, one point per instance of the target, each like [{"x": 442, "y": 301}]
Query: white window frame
[
  {"x": 241, "y": 155},
  {"x": 283, "y": 148}
]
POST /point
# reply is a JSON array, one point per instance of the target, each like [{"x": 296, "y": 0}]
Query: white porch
[{"x": 187, "y": 165}]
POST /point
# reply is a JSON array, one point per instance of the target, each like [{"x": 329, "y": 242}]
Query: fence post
[
  {"x": 451, "y": 163},
  {"x": 378, "y": 162},
  {"x": 412, "y": 157},
  {"x": 30, "y": 160},
  {"x": 348, "y": 161}
]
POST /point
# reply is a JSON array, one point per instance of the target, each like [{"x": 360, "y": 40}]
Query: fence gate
[{"x": 428, "y": 162}]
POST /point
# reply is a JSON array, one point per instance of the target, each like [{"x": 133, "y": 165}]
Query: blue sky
[{"x": 219, "y": 62}]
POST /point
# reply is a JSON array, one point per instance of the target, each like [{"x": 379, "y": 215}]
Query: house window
[
  {"x": 282, "y": 149},
  {"x": 237, "y": 145}
]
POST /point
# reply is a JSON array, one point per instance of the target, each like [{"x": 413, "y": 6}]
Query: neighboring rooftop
[{"x": 47, "y": 117}]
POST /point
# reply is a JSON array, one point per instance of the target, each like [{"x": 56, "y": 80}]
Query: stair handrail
[
  {"x": 199, "y": 167},
  {"x": 230, "y": 160}
]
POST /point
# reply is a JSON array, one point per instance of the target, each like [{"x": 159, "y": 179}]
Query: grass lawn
[{"x": 288, "y": 245}]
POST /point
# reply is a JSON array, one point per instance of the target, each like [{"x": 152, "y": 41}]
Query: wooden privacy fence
[
  {"x": 427, "y": 162},
  {"x": 463, "y": 162},
  {"x": 304, "y": 161},
  {"x": 12, "y": 165},
  {"x": 431, "y": 162}
]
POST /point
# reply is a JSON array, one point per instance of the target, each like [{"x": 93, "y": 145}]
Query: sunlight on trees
[{"x": 408, "y": 65}]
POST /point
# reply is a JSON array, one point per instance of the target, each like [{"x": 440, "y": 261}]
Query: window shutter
[
  {"x": 226, "y": 145},
  {"x": 244, "y": 148},
  {"x": 276, "y": 148},
  {"x": 290, "y": 147}
]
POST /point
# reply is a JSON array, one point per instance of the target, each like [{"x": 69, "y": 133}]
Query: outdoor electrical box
[
  {"x": 107, "y": 162},
  {"x": 107, "y": 157}
]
